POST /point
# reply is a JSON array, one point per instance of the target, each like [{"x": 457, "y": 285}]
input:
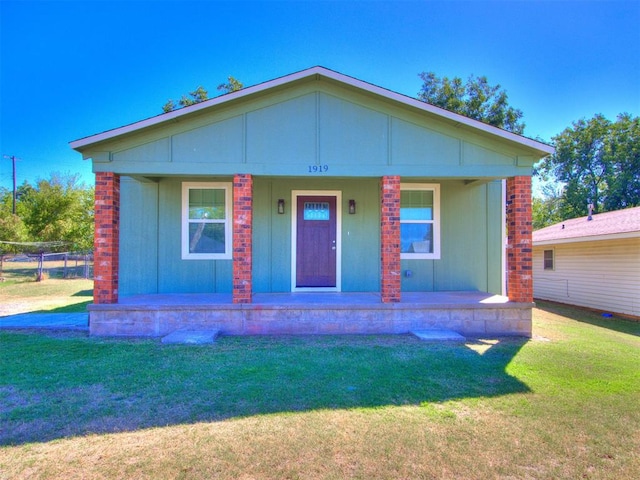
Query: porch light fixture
[
  {"x": 352, "y": 207},
  {"x": 280, "y": 206}
]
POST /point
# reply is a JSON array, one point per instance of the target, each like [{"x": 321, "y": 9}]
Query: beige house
[{"x": 591, "y": 262}]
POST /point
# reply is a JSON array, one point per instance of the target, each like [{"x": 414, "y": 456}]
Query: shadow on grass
[
  {"x": 83, "y": 293},
  {"x": 80, "y": 307},
  {"x": 54, "y": 386},
  {"x": 591, "y": 317}
]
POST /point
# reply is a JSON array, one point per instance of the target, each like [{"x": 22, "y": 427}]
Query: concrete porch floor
[
  {"x": 469, "y": 313},
  {"x": 479, "y": 299}
]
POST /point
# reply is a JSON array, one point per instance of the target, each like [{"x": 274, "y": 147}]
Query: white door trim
[{"x": 294, "y": 238}]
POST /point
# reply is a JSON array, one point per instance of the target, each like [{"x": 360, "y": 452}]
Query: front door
[{"x": 316, "y": 237}]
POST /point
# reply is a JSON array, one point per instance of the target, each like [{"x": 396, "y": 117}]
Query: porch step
[
  {"x": 191, "y": 337},
  {"x": 438, "y": 335}
]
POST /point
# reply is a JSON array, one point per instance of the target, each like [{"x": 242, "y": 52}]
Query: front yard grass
[
  {"x": 561, "y": 405},
  {"x": 25, "y": 295}
]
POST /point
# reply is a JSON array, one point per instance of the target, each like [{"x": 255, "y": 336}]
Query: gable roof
[
  {"x": 603, "y": 226},
  {"x": 317, "y": 73}
]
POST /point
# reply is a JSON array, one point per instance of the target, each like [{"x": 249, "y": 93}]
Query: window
[
  {"x": 419, "y": 221},
  {"x": 206, "y": 221},
  {"x": 548, "y": 260},
  {"x": 316, "y": 210}
]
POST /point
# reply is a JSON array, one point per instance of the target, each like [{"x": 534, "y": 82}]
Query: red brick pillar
[
  {"x": 106, "y": 238},
  {"x": 519, "y": 246},
  {"x": 242, "y": 237},
  {"x": 390, "y": 239}
]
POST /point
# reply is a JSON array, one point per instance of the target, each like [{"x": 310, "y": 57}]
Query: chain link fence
[{"x": 40, "y": 266}]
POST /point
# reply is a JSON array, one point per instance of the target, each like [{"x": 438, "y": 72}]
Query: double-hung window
[
  {"x": 206, "y": 221},
  {"x": 549, "y": 260},
  {"x": 419, "y": 221}
]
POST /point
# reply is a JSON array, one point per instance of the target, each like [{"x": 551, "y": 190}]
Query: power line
[{"x": 13, "y": 159}]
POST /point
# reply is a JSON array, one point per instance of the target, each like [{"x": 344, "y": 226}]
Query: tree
[
  {"x": 547, "y": 210},
  {"x": 232, "y": 85},
  {"x": 12, "y": 228},
  {"x": 58, "y": 209},
  {"x": 476, "y": 99},
  {"x": 197, "y": 96},
  {"x": 623, "y": 151},
  {"x": 597, "y": 161},
  {"x": 200, "y": 95}
]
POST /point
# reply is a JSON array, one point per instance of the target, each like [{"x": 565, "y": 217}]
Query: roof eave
[
  {"x": 542, "y": 148},
  {"x": 590, "y": 238}
]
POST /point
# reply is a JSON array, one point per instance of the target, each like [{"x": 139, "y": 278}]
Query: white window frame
[
  {"x": 553, "y": 260},
  {"x": 435, "y": 188},
  {"x": 228, "y": 220}
]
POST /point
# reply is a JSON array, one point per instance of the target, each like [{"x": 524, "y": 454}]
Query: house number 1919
[{"x": 318, "y": 168}]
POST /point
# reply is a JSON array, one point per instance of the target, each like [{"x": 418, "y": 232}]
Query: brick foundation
[
  {"x": 519, "y": 247},
  {"x": 242, "y": 238},
  {"x": 106, "y": 238},
  {"x": 390, "y": 239}
]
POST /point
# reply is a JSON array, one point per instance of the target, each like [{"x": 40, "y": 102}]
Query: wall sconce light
[
  {"x": 352, "y": 207},
  {"x": 280, "y": 206}
]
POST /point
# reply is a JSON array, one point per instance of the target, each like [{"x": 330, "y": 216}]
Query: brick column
[
  {"x": 390, "y": 239},
  {"x": 242, "y": 238},
  {"x": 519, "y": 246},
  {"x": 106, "y": 238}
]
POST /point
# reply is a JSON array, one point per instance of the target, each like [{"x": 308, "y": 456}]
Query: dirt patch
[{"x": 11, "y": 307}]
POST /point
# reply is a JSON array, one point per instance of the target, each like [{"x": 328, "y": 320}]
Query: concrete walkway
[{"x": 67, "y": 321}]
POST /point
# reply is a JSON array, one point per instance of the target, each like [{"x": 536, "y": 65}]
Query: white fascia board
[
  {"x": 591, "y": 238},
  {"x": 320, "y": 71}
]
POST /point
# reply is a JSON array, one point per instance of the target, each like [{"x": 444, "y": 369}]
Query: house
[
  {"x": 312, "y": 203},
  {"x": 591, "y": 262}
]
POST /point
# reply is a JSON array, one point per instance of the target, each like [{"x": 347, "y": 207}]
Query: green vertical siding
[
  {"x": 150, "y": 241},
  {"x": 352, "y": 135},
  {"x": 495, "y": 239},
  {"x": 272, "y": 233},
  {"x": 361, "y": 237},
  {"x": 138, "y": 237},
  {"x": 177, "y": 275},
  {"x": 464, "y": 233},
  {"x": 470, "y": 242},
  {"x": 271, "y": 238}
]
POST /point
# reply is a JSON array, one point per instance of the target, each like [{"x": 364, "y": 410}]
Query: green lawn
[
  {"x": 561, "y": 405},
  {"x": 49, "y": 296}
]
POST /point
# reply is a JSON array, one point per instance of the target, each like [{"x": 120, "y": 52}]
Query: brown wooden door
[{"x": 316, "y": 241}]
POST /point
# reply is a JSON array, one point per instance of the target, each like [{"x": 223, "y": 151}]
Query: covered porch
[{"x": 469, "y": 313}]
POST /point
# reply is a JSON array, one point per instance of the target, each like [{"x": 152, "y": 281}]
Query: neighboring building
[
  {"x": 592, "y": 263},
  {"x": 312, "y": 203}
]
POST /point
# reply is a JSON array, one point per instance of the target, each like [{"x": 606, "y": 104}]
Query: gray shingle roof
[{"x": 619, "y": 222}]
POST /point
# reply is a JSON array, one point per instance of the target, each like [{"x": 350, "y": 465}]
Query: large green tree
[
  {"x": 12, "y": 228},
  {"x": 475, "y": 99},
  {"x": 58, "y": 209},
  {"x": 596, "y": 161},
  {"x": 548, "y": 208}
]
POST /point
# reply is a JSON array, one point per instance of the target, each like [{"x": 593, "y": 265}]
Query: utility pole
[{"x": 13, "y": 160}]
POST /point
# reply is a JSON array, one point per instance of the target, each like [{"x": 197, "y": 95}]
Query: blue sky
[{"x": 71, "y": 69}]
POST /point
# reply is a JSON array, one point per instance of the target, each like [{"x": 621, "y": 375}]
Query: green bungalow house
[{"x": 312, "y": 203}]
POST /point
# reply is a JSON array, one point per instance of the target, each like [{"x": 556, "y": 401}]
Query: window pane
[
  {"x": 206, "y": 238},
  {"x": 416, "y": 205},
  {"x": 206, "y": 203},
  {"x": 416, "y": 238},
  {"x": 548, "y": 259},
  {"x": 316, "y": 210}
]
